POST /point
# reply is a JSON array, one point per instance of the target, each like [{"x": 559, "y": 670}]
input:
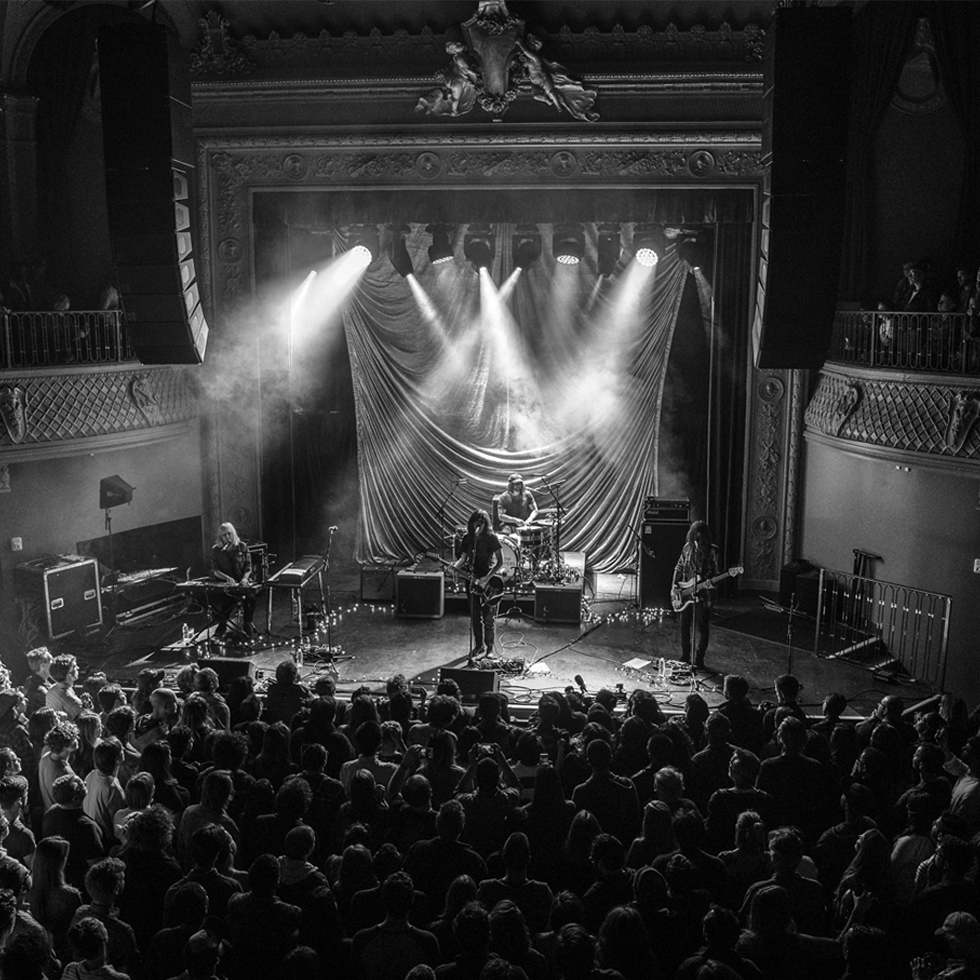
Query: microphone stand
[
  {"x": 553, "y": 489},
  {"x": 457, "y": 483}
]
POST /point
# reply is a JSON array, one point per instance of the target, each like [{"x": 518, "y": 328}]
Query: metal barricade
[{"x": 883, "y": 626}]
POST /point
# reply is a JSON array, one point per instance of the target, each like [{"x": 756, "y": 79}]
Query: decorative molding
[
  {"x": 57, "y": 408},
  {"x": 763, "y": 503},
  {"x": 924, "y": 417},
  {"x": 216, "y": 52},
  {"x": 334, "y": 53}
]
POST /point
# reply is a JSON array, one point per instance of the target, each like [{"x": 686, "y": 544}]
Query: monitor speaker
[
  {"x": 804, "y": 144},
  {"x": 113, "y": 491},
  {"x": 472, "y": 683},
  {"x": 228, "y": 668},
  {"x": 149, "y": 151}
]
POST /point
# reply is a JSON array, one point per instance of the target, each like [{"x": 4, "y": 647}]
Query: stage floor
[{"x": 369, "y": 643}]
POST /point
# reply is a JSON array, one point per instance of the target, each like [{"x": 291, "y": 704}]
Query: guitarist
[
  {"x": 481, "y": 557},
  {"x": 698, "y": 562}
]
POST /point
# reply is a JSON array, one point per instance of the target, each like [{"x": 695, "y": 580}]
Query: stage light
[
  {"x": 648, "y": 244},
  {"x": 610, "y": 249},
  {"x": 441, "y": 249},
  {"x": 363, "y": 239},
  {"x": 478, "y": 246},
  {"x": 568, "y": 244},
  {"x": 398, "y": 255},
  {"x": 526, "y": 246}
]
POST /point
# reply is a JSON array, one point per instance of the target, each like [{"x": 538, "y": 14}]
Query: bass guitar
[
  {"x": 683, "y": 594},
  {"x": 488, "y": 594}
]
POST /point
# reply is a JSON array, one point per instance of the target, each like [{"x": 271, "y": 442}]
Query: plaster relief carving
[
  {"x": 13, "y": 411},
  {"x": 963, "y": 411}
]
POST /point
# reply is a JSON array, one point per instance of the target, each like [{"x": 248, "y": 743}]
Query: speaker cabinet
[
  {"x": 804, "y": 144},
  {"x": 228, "y": 668},
  {"x": 660, "y": 547},
  {"x": 149, "y": 157},
  {"x": 419, "y": 595},
  {"x": 472, "y": 683},
  {"x": 377, "y": 583},
  {"x": 558, "y": 603},
  {"x": 68, "y": 589}
]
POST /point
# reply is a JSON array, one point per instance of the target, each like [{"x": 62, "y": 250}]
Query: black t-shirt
[{"x": 487, "y": 545}]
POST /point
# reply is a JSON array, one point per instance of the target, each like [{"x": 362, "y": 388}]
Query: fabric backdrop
[{"x": 563, "y": 383}]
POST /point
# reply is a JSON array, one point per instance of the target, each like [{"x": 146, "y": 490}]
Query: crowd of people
[
  {"x": 292, "y": 834},
  {"x": 917, "y": 291}
]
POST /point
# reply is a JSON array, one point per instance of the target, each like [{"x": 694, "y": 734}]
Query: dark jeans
[
  {"x": 482, "y": 617},
  {"x": 703, "y": 631},
  {"x": 225, "y": 606}
]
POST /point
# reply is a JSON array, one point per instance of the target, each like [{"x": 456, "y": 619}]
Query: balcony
[
  {"x": 934, "y": 343},
  {"x": 75, "y": 337}
]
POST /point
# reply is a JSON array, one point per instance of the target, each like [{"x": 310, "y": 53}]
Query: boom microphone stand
[{"x": 457, "y": 483}]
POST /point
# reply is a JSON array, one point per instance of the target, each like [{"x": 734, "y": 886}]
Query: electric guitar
[
  {"x": 684, "y": 593},
  {"x": 489, "y": 594}
]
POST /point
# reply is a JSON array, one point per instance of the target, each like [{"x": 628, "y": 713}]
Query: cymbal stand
[{"x": 553, "y": 489}]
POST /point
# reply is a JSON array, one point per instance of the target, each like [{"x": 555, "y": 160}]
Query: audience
[{"x": 476, "y": 847}]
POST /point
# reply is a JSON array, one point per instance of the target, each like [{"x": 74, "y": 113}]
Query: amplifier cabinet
[
  {"x": 68, "y": 588},
  {"x": 558, "y": 603},
  {"x": 377, "y": 583},
  {"x": 420, "y": 595}
]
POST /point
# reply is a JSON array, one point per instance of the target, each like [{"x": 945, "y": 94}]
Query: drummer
[{"x": 515, "y": 505}]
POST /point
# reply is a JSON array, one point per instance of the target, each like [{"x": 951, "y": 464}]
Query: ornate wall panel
[
  {"x": 891, "y": 416},
  {"x": 49, "y": 414},
  {"x": 772, "y": 475}
]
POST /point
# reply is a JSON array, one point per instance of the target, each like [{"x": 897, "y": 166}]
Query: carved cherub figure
[
  {"x": 457, "y": 94},
  {"x": 550, "y": 84}
]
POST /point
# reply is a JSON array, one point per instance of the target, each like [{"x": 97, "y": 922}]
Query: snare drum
[{"x": 531, "y": 536}]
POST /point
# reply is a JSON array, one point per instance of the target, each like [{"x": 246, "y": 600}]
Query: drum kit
[{"x": 525, "y": 546}]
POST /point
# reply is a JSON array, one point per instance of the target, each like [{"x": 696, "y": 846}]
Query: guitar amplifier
[
  {"x": 558, "y": 603},
  {"x": 67, "y": 586},
  {"x": 420, "y": 595},
  {"x": 664, "y": 510},
  {"x": 377, "y": 583}
]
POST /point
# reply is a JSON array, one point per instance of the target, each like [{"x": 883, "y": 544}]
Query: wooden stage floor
[{"x": 367, "y": 642}]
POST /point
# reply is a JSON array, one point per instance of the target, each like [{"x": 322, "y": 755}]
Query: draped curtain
[
  {"x": 563, "y": 382},
  {"x": 882, "y": 34}
]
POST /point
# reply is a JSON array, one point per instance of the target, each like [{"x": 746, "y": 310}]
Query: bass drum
[{"x": 510, "y": 552}]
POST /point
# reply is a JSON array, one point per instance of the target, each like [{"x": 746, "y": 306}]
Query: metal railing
[
  {"x": 51, "y": 339},
  {"x": 937, "y": 342},
  {"x": 883, "y": 626}
]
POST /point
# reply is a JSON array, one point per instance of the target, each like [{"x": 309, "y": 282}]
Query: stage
[{"x": 616, "y": 643}]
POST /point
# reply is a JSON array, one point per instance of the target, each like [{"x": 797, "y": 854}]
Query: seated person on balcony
[
  {"x": 965, "y": 290},
  {"x": 903, "y": 288},
  {"x": 922, "y": 299}
]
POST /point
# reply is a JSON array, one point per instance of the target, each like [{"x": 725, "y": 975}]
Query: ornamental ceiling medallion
[{"x": 489, "y": 68}]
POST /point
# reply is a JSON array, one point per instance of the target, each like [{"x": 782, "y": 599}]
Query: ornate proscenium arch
[{"x": 703, "y": 178}]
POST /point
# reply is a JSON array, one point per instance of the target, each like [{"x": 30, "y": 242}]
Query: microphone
[
  {"x": 333, "y": 528},
  {"x": 581, "y": 683}
]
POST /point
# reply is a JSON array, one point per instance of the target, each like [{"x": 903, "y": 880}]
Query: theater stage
[{"x": 370, "y": 642}]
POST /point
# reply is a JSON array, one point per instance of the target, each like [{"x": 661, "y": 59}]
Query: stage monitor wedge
[
  {"x": 149, "y": 148},
  {"x": 804, "y": 145}
]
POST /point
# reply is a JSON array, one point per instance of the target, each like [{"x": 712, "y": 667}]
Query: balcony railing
[
  {"x": 49, "y": 339},
  {"x": 934, "y": 342}
]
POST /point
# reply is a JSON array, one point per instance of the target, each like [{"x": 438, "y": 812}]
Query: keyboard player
[{"x": 231, "y": 564}]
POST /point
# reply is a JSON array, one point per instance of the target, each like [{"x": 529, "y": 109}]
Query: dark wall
[{"x": 922, "y": 522}]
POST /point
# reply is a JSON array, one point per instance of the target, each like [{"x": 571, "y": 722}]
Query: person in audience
[
  {"x": 395, "y": 946},
  {"x": 792, "y": 780},
  {"x": 434, "y": 864},
  {"x": 66, "y": 818},
  {"x": 546, "y": 821},
  {"x": 911, "y": 847},
  {"x": 610, "y": 798},
  {"x": 285, "y": 696},
  {"x": 216, "y": 794},
  {"x": 710, "y": 766},
  {"x": 103, "y": 794},
  {"x": 367, "y": 740},
  {"x": 89, "y": 940},
  {"x": 533, "y": 898},
  {"x": 721, "y": 935},
  {"x": 119, "y": 725},
  {"x": 36, "y": 686},
  {"x": 471, "y": 930},
  {"x": 205, "y": 846},
  {"x": 53, "y": 901},
  {"x": 727, "y": 804},
  {"x": 965, "y": 771},
  {"x": 460, "y": 892},
  {"x": 61, "y": 694},
  {"x": 510, "y": 940},
  {"x": 19, "y": 842},
  {"x": 59, "y": 744},
  {"x": 105, "y": 882},
  {"x": 157, "y": 767},
  {"x": 165, "y": 951}
]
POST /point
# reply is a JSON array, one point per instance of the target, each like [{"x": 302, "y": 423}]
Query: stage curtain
[
  {"x": 882, "y": 34},
  {"x": 562, "y": 383},
  {"x": 956, "y": 27}
]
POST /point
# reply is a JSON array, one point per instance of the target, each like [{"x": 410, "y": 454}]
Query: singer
[
  {"x": 232, "y": 564},
  {"x": 697, "y": 563},
  {"x": 481, "y": 557},
  {"x": 515, "y": 504}
]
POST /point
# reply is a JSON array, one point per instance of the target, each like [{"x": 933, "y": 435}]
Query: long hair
[
  {"x": 478, "y": 515},
  {"x": 235, "y": 539},
  {"x": 48, "y": 876},
  {"x": 698, "y": 534}
]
